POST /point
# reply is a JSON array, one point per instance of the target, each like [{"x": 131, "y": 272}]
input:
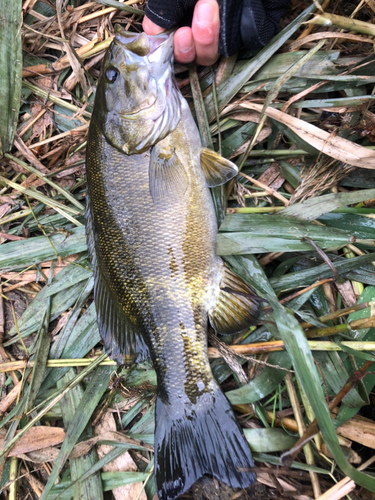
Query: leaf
[
  {"x": 40, "y": 363},
  {"x": 269, "y": 440},
  {"x": 310, "y": 276},
  {"x": 230, "y": 87},
  {"x": 37, "y": 438},
  {"x": 337, "y": 147},
  {"x": 92, "y": 486},
  {"x": 93, "y": 393},
  {"x": 124, "y": 463},
  {"x": 64, "y": 289},
  {"x": 84, "y": 337},
  {"x": 17, "y": 254},
  {"x": 264, "y": 383},
  {"x": 253, "y": 233},
  {"x": 10, "y": 69},
  {"x": 336, "y": 376},
  {"x": 303, "y": 363}
]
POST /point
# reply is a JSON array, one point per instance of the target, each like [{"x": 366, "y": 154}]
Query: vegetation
[{"x": 298, "y": 224}]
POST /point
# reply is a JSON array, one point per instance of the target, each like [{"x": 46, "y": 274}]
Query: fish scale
[
  {"x": 151, "y": 231},
  {"x": 148, "y": 240}
]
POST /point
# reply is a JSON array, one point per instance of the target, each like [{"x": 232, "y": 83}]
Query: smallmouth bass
[{"x": 151, "y": 231}]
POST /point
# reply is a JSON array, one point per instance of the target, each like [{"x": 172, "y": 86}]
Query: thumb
[{"x": 150, "y": 28}]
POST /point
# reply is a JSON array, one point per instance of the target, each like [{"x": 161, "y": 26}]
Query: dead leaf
[
  {"x": 334, "y": 146},
  {"x": 123, "y": 463},
  {"x": 77, "y": 68},
  {"x": 4, "y": 209},
  {"x": 347, "y": 293},
  {"x": 264, "y": 133},
  {"x": 249, "y": 116},
  {"x": 350, "y": 454},
  {"x": 272, "y": 177},
  {"x": 41, "y": 456},
  {"x": 43, "y": 125},
  {"x": 36, "y": 438},
  {"x": 359, "y": 429}
]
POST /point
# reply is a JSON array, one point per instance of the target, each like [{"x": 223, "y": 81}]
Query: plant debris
[{"x": 298, "y": 225}]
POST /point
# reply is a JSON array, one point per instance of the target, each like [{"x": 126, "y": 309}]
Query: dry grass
[{"x": 296, "y": 117}]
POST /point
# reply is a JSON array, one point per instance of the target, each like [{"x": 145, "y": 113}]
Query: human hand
[
  {"x": 215, "y": 30},
  {"x": 200, "y": 42}
]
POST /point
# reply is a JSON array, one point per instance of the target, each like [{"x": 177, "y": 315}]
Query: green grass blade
[
  {"x": 228, "y": 89},
  {"x": 320, "y": 205},
  {"x": 64, "y": 289},
  {"x": 46, "y": 179},
  {"x": 309, "y": 276},
  {"x": 241, "y": 234},
  {"x": 60, "y": 342},
  {"x": 10, "y": 69},
  {"x": 92, "y": 486},
  {"x": 303, "y": 363},
  {"x": 269, "y": 440},
  {"x": 264, "y": 383},
  {"x": 20, "y": 254},
  {"x": 84, "y": 337},
  {"x": 93, "y": 393},
  {"x": 41, "y": 357}
]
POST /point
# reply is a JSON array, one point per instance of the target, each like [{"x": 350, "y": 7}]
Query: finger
[
  {"x": 151, "y": 28},
  {"x": 184, "y": 50},
  {"x": 205, "y": 29}
]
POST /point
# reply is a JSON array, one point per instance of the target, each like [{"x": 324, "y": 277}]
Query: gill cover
[{"x": 139, "y": 103}]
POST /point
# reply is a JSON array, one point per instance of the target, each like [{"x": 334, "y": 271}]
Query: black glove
[{"x": 243, "y": 23}]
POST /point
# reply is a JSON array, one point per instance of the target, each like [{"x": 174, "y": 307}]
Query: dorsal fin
[{"x": 217, "y": 170}]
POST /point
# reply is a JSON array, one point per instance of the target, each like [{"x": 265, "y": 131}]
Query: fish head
[{"x": 137, "y": 100}]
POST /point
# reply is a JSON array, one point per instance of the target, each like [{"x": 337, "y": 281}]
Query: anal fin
[
  {"x": 236, "y": 307},
  {"x": 119, "y": 332}
]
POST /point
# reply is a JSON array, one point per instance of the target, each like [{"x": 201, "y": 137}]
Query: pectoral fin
[
  {"x": 237, "y": 306},
  {"x": 217, "y": 170},
  {"x": 168, "y": 179}
]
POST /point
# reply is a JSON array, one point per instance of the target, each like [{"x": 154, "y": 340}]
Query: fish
[{"x": 159, "y": 285}]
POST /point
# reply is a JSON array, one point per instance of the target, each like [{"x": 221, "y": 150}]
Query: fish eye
[{"x": 111, "y": 74}]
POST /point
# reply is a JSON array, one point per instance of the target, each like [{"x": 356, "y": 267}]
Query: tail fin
[{"x": 197, "y": 439}]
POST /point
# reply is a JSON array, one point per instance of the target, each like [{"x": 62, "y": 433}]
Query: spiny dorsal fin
[
  {"x": 237, "y": 306},
  {"x": 217, "y": 170},
  {"x": 168, "y": 178}
]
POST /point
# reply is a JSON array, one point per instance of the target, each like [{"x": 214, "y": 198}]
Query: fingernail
[
  {"x": 185, "y": 42},
  {"x": 204, "y": 14}
]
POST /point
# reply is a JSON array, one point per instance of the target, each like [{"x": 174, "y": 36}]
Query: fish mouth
[{"x": 139, "y": 112}]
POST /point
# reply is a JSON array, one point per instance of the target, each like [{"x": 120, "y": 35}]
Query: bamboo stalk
[
  {"x": 357, "y": 324},
  {"x": 344, "y": 23},
  {"x": 13, "y": 478}
]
